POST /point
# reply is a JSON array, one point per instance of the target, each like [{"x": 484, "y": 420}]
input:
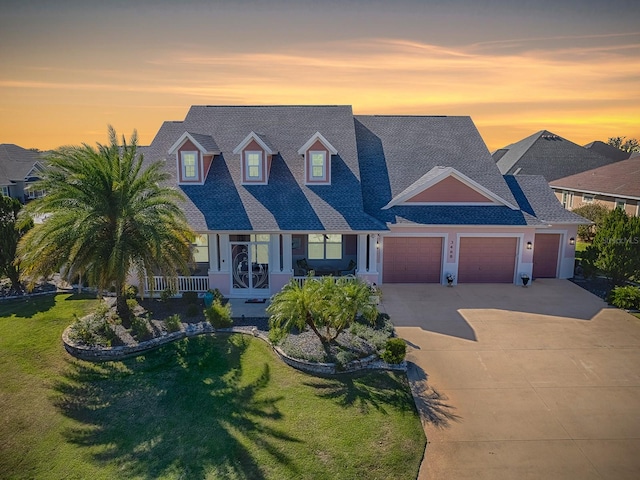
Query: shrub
[
  {"x": 276, "y": 335},
  {"x": 190, "y": 297},
  {"x": 173, "y": 323},
  {"x": 626, "y": 297},
  {"x": 343, "y": 357},
  {"x": 131, "y": 291},
  {"x": 140, "y": 329},
  {"x": 132, "y": 303},
  {"x": 167, "y": 293},
  {"x": 82, "y": 331},
  {"x": 219, "y": 315},
  {"x": 395, "y": 351},
  {"x": 192, "y": 310}
]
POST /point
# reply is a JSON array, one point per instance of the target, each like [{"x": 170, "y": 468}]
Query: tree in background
[
  {"x": 11, "y": 231},
  {"x": 629, "y": 145},
  {"x": 615, "y": 250},
  {"x": 596, "y": 212},
  {"x": 107, "y": 217}
]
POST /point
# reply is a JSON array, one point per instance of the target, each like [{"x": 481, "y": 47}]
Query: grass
[
  {"x": 581, "y": 247},
  {"x": 205, "y": 407}
]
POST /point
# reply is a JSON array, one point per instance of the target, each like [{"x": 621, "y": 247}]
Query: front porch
[{"x": 259, "y": 265}]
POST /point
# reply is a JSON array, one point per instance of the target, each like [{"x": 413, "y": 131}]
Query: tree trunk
[
  {"x": 312, "y": 326},
  {"x": 123, "y": 311}
]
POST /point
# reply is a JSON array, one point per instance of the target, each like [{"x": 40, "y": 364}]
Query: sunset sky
[{"x": 69, "y": 68}]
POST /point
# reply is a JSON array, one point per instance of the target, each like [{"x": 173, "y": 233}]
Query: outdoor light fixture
[
  {"x": 529, "y": 245},
  {"x": 572, "y": 241}
]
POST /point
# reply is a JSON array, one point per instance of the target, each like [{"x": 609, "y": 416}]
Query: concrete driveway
[{"x": 521, "y": 383}]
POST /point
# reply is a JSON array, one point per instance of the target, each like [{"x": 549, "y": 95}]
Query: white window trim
[
  {"x": 5, "y": 190},
  {"x": 622, "y": 201},
  {"x": 586, "y": 198},
  {"x": 260, "y": 176},
  {"x": 183, "y": 168},
  {"x": 324, "y": 176}
]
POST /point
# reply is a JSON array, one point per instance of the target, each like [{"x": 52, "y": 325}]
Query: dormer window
[
  {"x": 317, "y": 153},
  {"x": 253, "y": 166},
  {"x": 194, "y": 155},
  {"x": 318, "y": 166},
  {"x": 256, "y": 154},
  {"x": 189, "y": 165}
]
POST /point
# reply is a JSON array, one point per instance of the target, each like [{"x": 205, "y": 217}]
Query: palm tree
[
  {"x": 107, "y": 216},
  {"x": 298, "y": 306},
  {"x": 330, "y": 303}
]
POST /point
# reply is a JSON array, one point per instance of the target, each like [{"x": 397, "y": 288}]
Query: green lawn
[{"x": 207, "y": 407}]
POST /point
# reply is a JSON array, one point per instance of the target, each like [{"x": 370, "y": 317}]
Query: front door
[{"x": 250, "y": 266}]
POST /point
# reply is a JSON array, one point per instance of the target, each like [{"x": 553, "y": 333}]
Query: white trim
[
  {"x": 591, "y": 198},
  {"x": 620, "y": 200},
  {"x": 187, "y": 136},
  {"x": 461, "y": 225},
  {"x": 247, "y": 140},
  {"x": 446, "y": 172},
  {"x": 183, "y": 176},
  {"x": 315, "y": 137},
  {"x": 325, "y": 167},
  {"x": 36, "y": 166},
  {"x": 246, "y": 179}
]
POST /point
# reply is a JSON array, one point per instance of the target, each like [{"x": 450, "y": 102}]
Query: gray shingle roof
[
  {"x": 378, "y": 158},
  {"x": 549, "y": 155},
  {"x": 607, "y": 150},
  {"x": 396, "y": 151},
  {"x": 206, "y": 141},
  {"x": 16, "y": 163},
  {"x": 536, "y": 198},
  {"x": 285, "y": 203},
  {"x": 616, "y": 179}
]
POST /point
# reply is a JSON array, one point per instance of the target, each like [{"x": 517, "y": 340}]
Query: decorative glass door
[{"x": 250, "y": 265}]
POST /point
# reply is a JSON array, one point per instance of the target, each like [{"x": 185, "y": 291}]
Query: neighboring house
[
  {"x": 547, "y": 154},
  {"x": 608, "y": 151},
  {"x": 277, "y": 191},
  {"x": 616, "y": 186},
  {"x": 19, "y": 169}
]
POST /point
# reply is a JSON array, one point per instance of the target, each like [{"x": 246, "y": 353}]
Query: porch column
[
  {"x": 373, "y": 253},
  {"x": 362, "y": 252},
  {"x": 224, "y": 252},
  {"x": 287, "y": 259},
  {"x": 274, "y": 254},
  {"x": 214, "y": 260}
]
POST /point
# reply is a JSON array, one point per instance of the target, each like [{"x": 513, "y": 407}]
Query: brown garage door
[
  {"x": 545, "y": 255},
  {"x": 487, "y": 259},
  {"x": 412, "y": 260}
]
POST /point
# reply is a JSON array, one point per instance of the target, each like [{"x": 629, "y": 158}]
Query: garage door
[
  {"x": 545, "y": 255},
  {"x": 487, "y": 260},
  {"x": 412, "y": 260}
]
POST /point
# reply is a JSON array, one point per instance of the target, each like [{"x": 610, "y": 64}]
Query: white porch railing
[
  {"x": 177, "y": 284},
  {"x": 301, "y": 280}
]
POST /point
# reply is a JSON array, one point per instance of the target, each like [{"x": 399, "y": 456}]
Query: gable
[{"x": 449, "y": 190}]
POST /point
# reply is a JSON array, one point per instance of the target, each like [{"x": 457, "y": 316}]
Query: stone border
[{"x": 105, "y": 354}]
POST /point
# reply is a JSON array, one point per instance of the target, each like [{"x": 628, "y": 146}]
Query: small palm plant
[{"x": 327, "y": 306}]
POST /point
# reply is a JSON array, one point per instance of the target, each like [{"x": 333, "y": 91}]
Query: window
[
  {"x": 189, "y": 165},
  {"x": 621, "y": 204},
  {"x": 318, "y": 163},
  {"x": 587, "y": 198},
  {"x": 325, "y": 247},
  {"x": 253, "y": 165},
  {"x": 201, "y": 249},
  {"x": 567, "y": 199},
  {"x": 5, "y": 190}
]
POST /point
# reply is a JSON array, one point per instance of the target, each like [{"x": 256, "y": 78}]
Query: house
[
  {"x": 275, "y": 192},
  {"x": 19, "y": 169},
  {"x": 547, "y": 154},
  {"x": 616, "y": 185},
  {"x": 607, "y": 150}
]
